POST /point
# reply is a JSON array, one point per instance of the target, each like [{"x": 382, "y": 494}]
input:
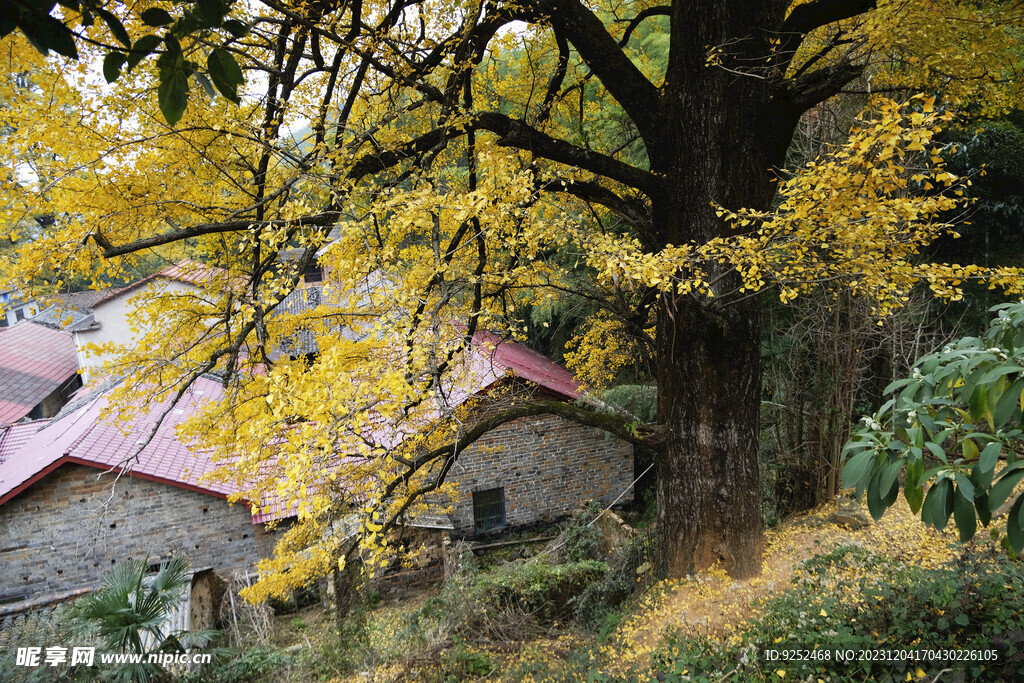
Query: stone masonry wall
[
  {"x": 62, "y": 534},
  {"x": 547, "y": 466}
]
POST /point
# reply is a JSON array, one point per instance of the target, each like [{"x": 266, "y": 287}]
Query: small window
[
  {"x": 19, "y": 314},
  {"x": 314, "y": 273},
  {"x": 489, "y": 509}
]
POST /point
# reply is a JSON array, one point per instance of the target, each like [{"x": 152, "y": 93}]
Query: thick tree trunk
[
  {"x": 725, "y": 136},
  {"x": 709, "y": 502}
]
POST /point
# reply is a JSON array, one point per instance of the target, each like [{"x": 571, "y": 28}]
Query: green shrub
[
  {"x": 43, "y": 628},
  {"x": 459, "y": 663},
  {"x": 582, "y": 540},
  {"x": 539, "y": 588},
  {"x": 859, "y": 600},
  {"x": 254, "y": 666},
  {"x": 630, "y": 567}
]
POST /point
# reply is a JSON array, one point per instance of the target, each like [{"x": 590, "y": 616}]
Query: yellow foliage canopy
[{"x": 449, "y": 166}]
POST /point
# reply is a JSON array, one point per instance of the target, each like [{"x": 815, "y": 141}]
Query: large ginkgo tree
[{"x": 452, "y": 162}]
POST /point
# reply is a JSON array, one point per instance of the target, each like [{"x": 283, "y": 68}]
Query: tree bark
[
  {"x": 724, "y": 136},
  {"x": 709, "y": 385}
]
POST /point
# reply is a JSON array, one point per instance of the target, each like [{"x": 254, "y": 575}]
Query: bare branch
[
  {"x": 808, "y": 89},
  {"x": 110, "y": 251},
  {"x": 811, "y": 15},
  {"x": 660, "y": 10}
]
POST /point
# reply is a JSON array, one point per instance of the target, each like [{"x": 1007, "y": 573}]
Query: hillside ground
[{"x": 890, "y": 584}]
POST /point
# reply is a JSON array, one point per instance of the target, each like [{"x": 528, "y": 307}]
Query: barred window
[
  {"x": 489, "y": 509},
  {"x": 313, "y": 273}
]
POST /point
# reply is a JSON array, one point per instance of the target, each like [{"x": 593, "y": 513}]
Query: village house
[
  {"x": 64, "y": 519},
  {"x": 38, "y": 371},
  {"x": 113, "y": 317},
  {"x": 66, "y": 516},
  {"x": 15, "y": 307}
]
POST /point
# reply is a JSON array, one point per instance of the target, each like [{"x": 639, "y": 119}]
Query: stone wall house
[
  {"x": 66, "y": 516},
  {"x": 526, "y": 471},
  {"x": 74, "y": 523},
  {"x": 63, "y": 522},
  {"x": 537, "y": 468}
]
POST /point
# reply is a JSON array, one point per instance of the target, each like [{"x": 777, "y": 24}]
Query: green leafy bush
[
  {"x": 855, "y": 599},
  {"x": 630, "y": 567},
  {"x": 953, "y": 427},
  {"x": 582, "y": 538},
  {"x": 460, "y": 663},
  {"x": 39, "y": 629},
  {"x": 539, "y": 588},
  {"x": 254, "y": 666}
]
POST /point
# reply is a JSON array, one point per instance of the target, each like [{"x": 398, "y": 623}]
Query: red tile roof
[
  {"x": 190, "y": 272},
  {"x": 13, "y": 437},
  {"x": 34, "y": 361},
  {"x": 526, "y": 363},
  {"x": 82, "y": 436}
]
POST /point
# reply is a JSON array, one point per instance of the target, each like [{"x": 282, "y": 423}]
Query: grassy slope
[{"x": 709, "y": 607}]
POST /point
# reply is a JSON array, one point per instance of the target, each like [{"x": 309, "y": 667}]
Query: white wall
[
  {"x": 12, "y": 304},
  {"x": 113, "y": 323}
]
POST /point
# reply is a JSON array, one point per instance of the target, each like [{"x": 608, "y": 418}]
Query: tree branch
[
  {"x": 374, "y": 163},
  {"x": 660, "y": 10},
  {"x": 623, "y": 80},
  {"x": 805, "y": 91},
  {"x": 646, "y": 436},
  {"x": 653, "y": 437},
  {"x": 811, "y": 15},
  {"x": 632, "y": 212},
  {"x": 555, "y": 84},
  {"x": 110, "y": 251},
  {"x": 514, "y": 133}
]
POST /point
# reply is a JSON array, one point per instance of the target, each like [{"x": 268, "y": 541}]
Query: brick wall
[
  {"x": 546, "y": 465},
  {"x": 64, "y": 532}
]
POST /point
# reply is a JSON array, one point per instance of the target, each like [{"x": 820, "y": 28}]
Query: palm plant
[{"x": 130, "y": 613}]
